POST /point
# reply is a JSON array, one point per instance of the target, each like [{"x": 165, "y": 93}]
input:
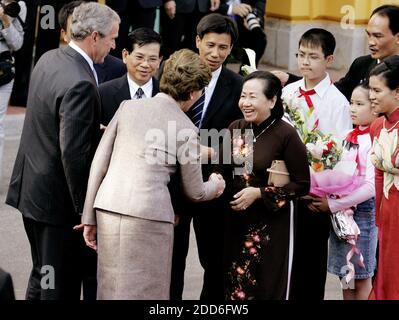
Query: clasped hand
[
  {"x": 221, "y": 184},
  {"x": 245, "y": 198}
]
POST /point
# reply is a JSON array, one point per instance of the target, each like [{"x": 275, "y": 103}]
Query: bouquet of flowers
[{"x": 331, "y": 175}]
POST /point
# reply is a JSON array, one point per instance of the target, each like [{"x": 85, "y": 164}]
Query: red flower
[{"x": 328, "y": 147}]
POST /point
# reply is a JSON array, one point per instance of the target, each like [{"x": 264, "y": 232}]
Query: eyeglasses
[
  {"x": 310, "y": 57},
  {"x": 141, "y": 59}
]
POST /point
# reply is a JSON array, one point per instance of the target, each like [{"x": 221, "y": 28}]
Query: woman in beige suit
[{"x": 128, "y": 216}]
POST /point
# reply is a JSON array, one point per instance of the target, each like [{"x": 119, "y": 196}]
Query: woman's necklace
[
  {"x": 257, "y": 136},
  {"x": 390, "y": 129}
]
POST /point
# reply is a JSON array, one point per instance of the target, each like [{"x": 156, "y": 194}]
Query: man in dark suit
[
  {"x": 179, "y": 21},
  {"x": 112, "y": 67},
  {"x": 216, "y": 35},
  {"x": 383, "y": 40},
  {"x": 59, "y": 138},
  {"x": 142, "y": 58}
]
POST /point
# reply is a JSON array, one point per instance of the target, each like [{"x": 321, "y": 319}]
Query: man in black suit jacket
[
  {"x": 112, "y": 67},
  {"x": 383, "y": 40},
  {"x": 59, "y": 138},
  {"x": 216, "y": 35},
  {"x": 142, "y": 59}
]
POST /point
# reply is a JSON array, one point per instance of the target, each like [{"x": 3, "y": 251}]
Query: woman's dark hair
[
  {"x": 389, "y": 71},
  {"x": 271, "y": 88}
]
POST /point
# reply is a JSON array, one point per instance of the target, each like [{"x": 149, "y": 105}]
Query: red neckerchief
[
  {"x": 352, "y": 136},
  {"x": 306, "y": 94}
]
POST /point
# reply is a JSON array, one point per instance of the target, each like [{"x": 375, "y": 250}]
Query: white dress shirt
[
  {"x": 133, "y": 86},
  {"x": 210, "y": 89},
  {"x": 331, "y": 108}
]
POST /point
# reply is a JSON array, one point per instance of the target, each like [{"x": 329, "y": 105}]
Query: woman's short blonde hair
[{"x": 183, "y": 73}]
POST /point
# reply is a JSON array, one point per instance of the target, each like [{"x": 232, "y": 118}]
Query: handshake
[{"x": 219, "y": 181}]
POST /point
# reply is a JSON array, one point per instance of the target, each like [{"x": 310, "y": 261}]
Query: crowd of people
[{"x": 118, "y": 157}]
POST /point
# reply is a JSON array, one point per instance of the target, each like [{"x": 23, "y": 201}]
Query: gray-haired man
[{"x": 58, "y": 141}]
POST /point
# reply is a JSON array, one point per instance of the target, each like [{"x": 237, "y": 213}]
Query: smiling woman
[
  {"x": 384, "y": 96},
  {"x": 256, "y": 267}
]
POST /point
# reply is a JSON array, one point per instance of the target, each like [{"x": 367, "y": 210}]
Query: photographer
[
  {"x": 249, "y": 15},
  {"x": 11, "y": 38}
]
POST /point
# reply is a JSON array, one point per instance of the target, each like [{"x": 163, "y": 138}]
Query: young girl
[{"x": 357, "y": 146}]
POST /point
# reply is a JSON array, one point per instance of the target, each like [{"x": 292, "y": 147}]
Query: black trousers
[
  {"x": 309, "y": 266},
  {"x": 6, "y": 287},
  {"x": 61, "y": 263},
  {"x": 208, "y": 222}
]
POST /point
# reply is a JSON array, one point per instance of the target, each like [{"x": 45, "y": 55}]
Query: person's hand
[
  {"x": 242, "y": 9},
  {"x": 90, "y": 236},
  {"x": 221, "y": 184},
  {"x": 170, "y": 9},
  {"x": 214, "y": 5},
  {"x": 321, "y": 204},
  {"x": 78, "y": 227},
  {"x": 245, "y": 198},
  {"x": 206, "y": 153},
  {"x": 281, "y": 75}
]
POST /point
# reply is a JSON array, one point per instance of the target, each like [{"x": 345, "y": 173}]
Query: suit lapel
[
  {"x": 218, "y": 97},
  {"x": 79, "y": 58},
  {"x": 155, "y": 86},
  {"x": 122, "y": 91}
]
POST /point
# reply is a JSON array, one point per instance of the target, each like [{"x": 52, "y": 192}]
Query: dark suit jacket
[
  {"x": 59, "y": 138},
  {"x": 112, "y": 94},
  {"x": 358, "y": 72},
  {"x": 6, "y": 287},
  {"x": 112, "y": 68},
  {"x": 186, "y": 6}
]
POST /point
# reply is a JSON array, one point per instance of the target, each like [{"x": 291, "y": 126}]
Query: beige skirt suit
[{"x": 128, "y": 198}]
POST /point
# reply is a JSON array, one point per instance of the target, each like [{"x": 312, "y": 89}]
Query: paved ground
[{"x": 14, "y": 247}]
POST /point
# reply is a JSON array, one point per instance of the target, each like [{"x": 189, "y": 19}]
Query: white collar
[
  {"x": 74, "y": 46},
  {"x": 321, "y": 88},
  {"x": 133, "y": 86}
]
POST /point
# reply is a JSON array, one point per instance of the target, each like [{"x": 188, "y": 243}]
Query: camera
[
  {"x": 10, "y": 7},
  {"x": 252, "y": 20}
]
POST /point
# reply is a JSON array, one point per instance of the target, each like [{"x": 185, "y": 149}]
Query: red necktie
[
  {"x": 352, "y": 136},
  {"x": 306, "y": 94}
]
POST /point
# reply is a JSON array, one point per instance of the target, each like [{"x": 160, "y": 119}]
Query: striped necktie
[
  {"x": 195, "y": 112},
  {"x": 139, "y": 93}
]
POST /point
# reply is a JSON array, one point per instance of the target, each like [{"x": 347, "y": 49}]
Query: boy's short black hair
[
  {"x": 217, "y": 23},
  {"x": 143, "y": 36},
  {"x": 66, "y": 11},
  {"x": 318, "y": 37},
  {"x": 392, "y": 13}
]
